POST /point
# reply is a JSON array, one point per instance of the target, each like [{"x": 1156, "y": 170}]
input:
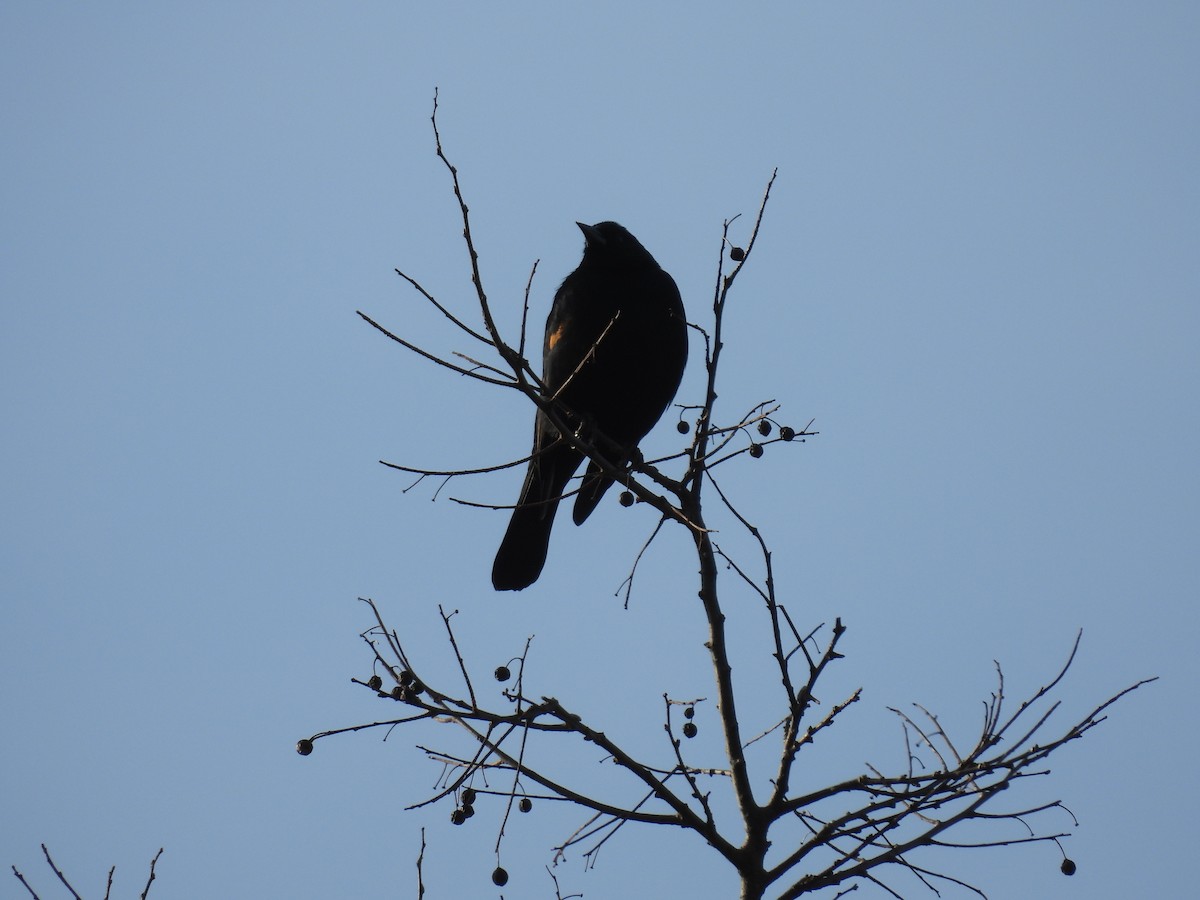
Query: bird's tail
[
  {"x": 590, "y": 493},
  {"x": 522, "y": 553}
]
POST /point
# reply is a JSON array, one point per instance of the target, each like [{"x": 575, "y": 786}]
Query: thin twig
[
  {"x": 58, "y": 872},
  {"x": 150, "y": 879}
]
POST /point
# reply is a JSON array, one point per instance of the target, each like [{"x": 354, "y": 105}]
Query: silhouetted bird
[{"x": 616, "y": 381}]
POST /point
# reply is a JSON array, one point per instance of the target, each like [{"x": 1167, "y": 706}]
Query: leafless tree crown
[{"x": 784, "y": 838}]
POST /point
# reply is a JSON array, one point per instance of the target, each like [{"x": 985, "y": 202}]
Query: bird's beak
[{"x": 591, "y": 236}]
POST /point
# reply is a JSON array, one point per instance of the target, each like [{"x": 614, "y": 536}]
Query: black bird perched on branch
[{"x": 615, "y": 349}]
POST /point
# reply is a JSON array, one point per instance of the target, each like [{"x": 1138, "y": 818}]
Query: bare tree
[{"x": 786, "y": 839}]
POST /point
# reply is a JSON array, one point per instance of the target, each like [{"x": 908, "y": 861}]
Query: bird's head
[{"x": 610, "y": 241}]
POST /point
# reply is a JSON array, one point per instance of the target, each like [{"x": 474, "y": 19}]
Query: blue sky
[{"x": 978, "y": 273}]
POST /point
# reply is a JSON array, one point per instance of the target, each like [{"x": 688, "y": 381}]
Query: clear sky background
[{"x": 978, "y": 272}]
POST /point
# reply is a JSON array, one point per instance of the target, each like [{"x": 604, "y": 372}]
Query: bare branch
[
  {"x": 150, "y": 879},
  {"x": 462, "y": 666},
  {"x": 58, "y": 872},
  {"x": 433, "y": 358},
  {"x": 420, "y": 863},
  {"x": 445, "y": 312},
  {"x": 21, "y": 878}
]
